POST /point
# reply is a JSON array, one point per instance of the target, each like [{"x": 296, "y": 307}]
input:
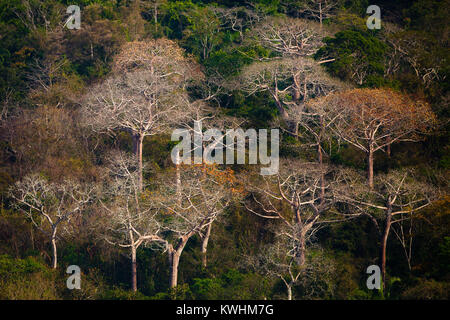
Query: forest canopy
[{"x": 87, "y": 176}]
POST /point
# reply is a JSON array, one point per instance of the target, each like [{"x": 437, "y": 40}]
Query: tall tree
[
  {"x": 131, "y": 217},
  {"x": 298, "y": 187},
  {"x": 144, "y": 95},
  {"x": 393, "y": 199},
  {"x": 372, "y": 119},
  {"x": 203, "y": 200}
]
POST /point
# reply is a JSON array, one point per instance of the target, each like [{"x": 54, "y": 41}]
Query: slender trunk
[
  {"x": 178, "y": 178},
  {"x": 322, "y": 176},
  {"x": 296, "y": 94},
  {"x": 289, "y": 290},
  {"x": 140, "y": 146},
  {"x": 320, "y": 155},
  {"x": 32, "y": 237},
  {"x": 205, "y": 241},
  {"x": 320, "y": 15},
  {"x": 296, "y": 131},
  {"x": 280, "y": 108},
  {"x": 156, "y": 16},
  {"x": 370, "y": 166},
  {"x": 54, "y": 251},
  {"x": 384, "y": 239},
  {"x": 302, "y": 250},
  {"x": 388, "y": 147},
  {"x": 133, "y": 269}
]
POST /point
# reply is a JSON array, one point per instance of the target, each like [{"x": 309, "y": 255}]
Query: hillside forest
[{"x": 87, "y": 172}]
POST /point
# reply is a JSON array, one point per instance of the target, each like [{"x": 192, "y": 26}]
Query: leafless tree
[
  {"x": 44, "y": 73},
  {"x": 203, "y": 199},
  {"x": 131, "y": 216},
  {"x": 145, "y": 94},
  {"x": 289, "y": 37},
  {"x": 290, "y": 82},
  {"x": 277, "y": 260},
  {"x": 237, "y": 19},
  {"x": 407, "y": 48},
  {"x": 51, "y": 207},
  {"x": 394, "y": 198},
  {"x": 298, "y": 187},
  {"x": 320, "y": 9}
]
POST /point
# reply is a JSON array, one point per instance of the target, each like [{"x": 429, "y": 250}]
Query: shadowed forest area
[{"x": 87, "y": 176}]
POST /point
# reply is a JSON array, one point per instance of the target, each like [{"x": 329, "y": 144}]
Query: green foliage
[
  {"x": 121, "y": 294},
  {"x": 428, "y": 290},
  {"x": 232, "y": 285},
  {"x": 359, "y": 57},
  {"x": 26, "y": 279}
]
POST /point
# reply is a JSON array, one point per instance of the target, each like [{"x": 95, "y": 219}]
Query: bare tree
[
  {"x": 278, "y": 261},
  {"x": 203, "y": 199},
  {"x": 403, "y": 230},
  {"x": 319, "y": 9},
  {"x": 237, "y": 19},
  {"x": 394, "y": 198},
  {"x": 130, "y": 214},
  {"x": 289, "y": 37},
  {"x": 290, "y": 82},
  {"x": 145, "y": 94},
  {"x": 51, "y": 206},
  {"x": 373, "y": 119},
  {"x": 297, "y": 186}
]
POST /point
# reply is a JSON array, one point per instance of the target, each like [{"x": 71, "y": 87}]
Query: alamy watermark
[
  {"x": 374, "y": 280},
  {"x": 74, "y": 281},
  {"x": 193, "y": 150},
  {"x": 374, "y": 21},
  {"x": 74, "y": 20}
]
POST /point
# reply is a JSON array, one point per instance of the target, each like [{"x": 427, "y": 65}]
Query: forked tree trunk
[{"x": 174, "y": 261}]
